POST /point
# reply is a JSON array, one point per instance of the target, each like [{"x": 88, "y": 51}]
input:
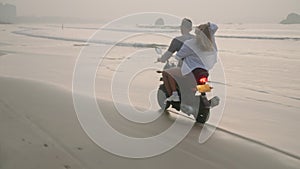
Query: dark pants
[{"x": 171, "y": 76}]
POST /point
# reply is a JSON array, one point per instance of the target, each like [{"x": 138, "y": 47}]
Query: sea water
[{"x": 260, "y": 62}]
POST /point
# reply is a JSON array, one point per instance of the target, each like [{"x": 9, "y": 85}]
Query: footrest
[{"x": 214, "y": 101}]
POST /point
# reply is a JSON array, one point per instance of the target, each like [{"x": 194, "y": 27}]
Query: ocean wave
[
  {"x": 130, "y": 30},
  {"x": 86, "y": 41},
  {"x": 137, "y": 30},
  {"x": 258, "y": 37},
  {"x": 172, "y": 29}
]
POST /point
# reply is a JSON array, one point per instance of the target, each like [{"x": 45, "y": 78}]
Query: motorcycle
[{"x": 192, "y": 94}]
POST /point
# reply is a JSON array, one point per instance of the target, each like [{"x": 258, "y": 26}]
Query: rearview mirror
[{"x": 158, "y": 50}]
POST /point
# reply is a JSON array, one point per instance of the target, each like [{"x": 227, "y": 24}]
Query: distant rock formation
[
  {"x": 292, "y": 18},
  {"x": 8, "y": 13},
  {"x": 159, "y": 22}
]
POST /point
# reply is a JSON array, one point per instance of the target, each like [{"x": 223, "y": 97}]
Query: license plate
[{"x": 203, "y": 88}]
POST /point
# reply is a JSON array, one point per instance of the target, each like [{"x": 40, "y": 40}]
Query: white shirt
[
  {"x": 175, "y": 46},
  {"x": 194, "y": 57}
]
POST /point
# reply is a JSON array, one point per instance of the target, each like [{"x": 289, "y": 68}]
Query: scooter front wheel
[{"x": 161, "y": 97}]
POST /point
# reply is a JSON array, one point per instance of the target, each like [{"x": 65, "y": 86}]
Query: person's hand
[{"x": 160, "y": 60}]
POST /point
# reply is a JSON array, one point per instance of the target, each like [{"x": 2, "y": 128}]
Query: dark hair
[
  {"x": 205, "y": 29},
  {"x": 186, "y": 23}
]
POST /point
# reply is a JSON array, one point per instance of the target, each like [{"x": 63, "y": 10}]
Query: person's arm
[
  {"x": 183, "y": 52},
  {"x": 213, "y": 28},
  {"x": 174, "y": 46},
  {"x": 165, "y": 56}
]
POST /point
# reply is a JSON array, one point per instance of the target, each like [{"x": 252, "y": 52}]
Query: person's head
[
  {"x": 203, "y": 36},
  {"x": 203, "y": 29},
  {"x": 186, "y": 26}
]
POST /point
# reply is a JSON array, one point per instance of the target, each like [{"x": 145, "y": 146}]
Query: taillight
[{"x": 203, "y": 80}]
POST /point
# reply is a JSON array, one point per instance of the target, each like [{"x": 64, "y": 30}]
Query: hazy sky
[{"x": 270, "y": 11}]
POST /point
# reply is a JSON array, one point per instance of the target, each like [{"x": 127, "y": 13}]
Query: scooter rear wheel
[
  {"x": 203, "y": 113},
  {"x": 203, "y": 116}
]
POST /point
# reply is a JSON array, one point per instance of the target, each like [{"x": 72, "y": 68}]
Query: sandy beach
[{"x": 39, "y": 127}]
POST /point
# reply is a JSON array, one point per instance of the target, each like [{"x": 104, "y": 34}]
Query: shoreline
[{"x": 2, "y": 54}]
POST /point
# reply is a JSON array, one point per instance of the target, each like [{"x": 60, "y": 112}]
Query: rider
[
  {"x": 176, "y": 44},
  {"x": 199, "y": 55}
]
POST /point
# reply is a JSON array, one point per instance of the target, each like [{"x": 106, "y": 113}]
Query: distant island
[
  {"x": 159, "y": 22},
  {"x": 292, "y": 18},
  {"x": 8, "y": 13}
]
